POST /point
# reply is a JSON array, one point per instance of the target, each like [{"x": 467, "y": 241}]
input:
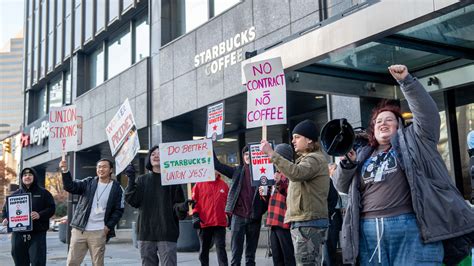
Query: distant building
[{"x": 11, "y": 91}]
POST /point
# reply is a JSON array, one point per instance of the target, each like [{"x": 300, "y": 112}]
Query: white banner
[
  {"x": 261, "y": 166},
  {"x": 19, "y": 213},
  {"x": 186, "y": 162},
  {"x": 215, "y": 121},
  {"x": 266, "y": 93},
  {"x": 118, "y": 128},
  {"x": 127, "y": 152},
  {"x": 63, "y": 129}
]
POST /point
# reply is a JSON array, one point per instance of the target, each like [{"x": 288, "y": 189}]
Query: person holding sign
[
  {"x": 307, "y": 208},
  {"x": 159, "y": 210},
  {"x": 209, "y": 218},
  {"x": 98, "y": 211},
  {"x": 280, "y": 236},
  {"x": 246, "y": 207},
  {"x": 30, "y": 247}
]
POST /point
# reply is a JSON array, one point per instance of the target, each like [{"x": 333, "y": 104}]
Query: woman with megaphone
[{"x": 402, "y": 203}]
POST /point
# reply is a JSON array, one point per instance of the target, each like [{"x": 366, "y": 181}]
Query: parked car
[{"x": 54, "y": 223}]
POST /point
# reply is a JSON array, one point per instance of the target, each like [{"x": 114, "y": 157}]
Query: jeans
[
  {"x": 152, "y": 251},
  {"x": 206, "y": 237},
  {"x": 248, "y": 230},
  {"x": 399, "y": 243},
  {"x": 29, "y": 248}
]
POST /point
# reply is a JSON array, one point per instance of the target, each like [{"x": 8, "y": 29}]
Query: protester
[
  {"x": 98, "y": 211},
  {"x": 159, "y": 210},
  {"x": 335, "y": 220},
  {"x": 307, "y": 208},
  {"x": 280, "y": 236},
  {"x": 402, "y": 202},
  {"x": 246, "y": 207},
  {"x": 209, "y": 218},
  {"x": 30, "y": 247}
]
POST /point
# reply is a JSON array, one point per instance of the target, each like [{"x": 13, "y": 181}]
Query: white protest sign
[
  {"x": 63, "y": 129},
  {"x": 215, "y": 121},
  {"x": 186, "y": 162},
  {"x": 266, "y": 93},
  {"x": 118, "y": 128},
  {"x": 19, "y": 213},
  {"x": 127, "y": 152},
  {"x": 261, "y": 166}
]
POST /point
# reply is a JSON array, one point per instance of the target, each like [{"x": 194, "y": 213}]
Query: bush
[{"x": 61, "y": 209}]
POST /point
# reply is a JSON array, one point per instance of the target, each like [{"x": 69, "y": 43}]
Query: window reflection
[
  {"x": 222, "y": 5},
  {"x": 113, "y": 10},
  {"x": 77, "y": 25},
  {"x": 55, "y": 93},
  {"x": 196, "y": 13},
  {"x": 96, "y": 68},
  {"x": 142, "y": 39},
  {"x": 100, "y": 12},
  {"x": 88, "y": 19},
  {"x": 119, "y": 53},
  {"x": 42, "y": 104}
]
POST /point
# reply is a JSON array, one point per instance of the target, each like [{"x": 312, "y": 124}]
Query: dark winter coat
[
  {"x": 86, "y": 189},
  {"x": 157, "y": 207},
  {"x": 440, "y": 209},
  {"x": 42, "y": 202}
]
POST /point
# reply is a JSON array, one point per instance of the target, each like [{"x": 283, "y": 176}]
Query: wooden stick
[
  {"x": 190, "y": 195},
  {"x": 63, "y": 156},
  {"x": 264, "y": 131}
]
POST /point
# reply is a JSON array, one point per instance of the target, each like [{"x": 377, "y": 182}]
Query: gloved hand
[
  {"x": 196, "y": 221},
  {"x": 184, "y": 207},
  {"x": 130, "y": 172}
]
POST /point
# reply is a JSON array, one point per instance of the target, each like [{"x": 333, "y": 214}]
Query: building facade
[
  {"x": 11, "y": 93},
  {"x": 172, "y": 59}
]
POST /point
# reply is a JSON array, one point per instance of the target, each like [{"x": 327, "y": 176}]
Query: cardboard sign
[
  {"x": 186, "y": 162},
  {"x": 119, "y": 127},
  {"x": 266, "y": 93},
  {"x": 63, "y": 129},
  {"x": 262, "y": 169},
  {"x": 127, "y": 152},
  {"x": 19, "y": 213},
  {"x": 215, "y": 121}
]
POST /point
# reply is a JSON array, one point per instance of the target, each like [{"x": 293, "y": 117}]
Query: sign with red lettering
[
  {"x": 119, "y": 127},
  {"x": 186, "y": 162},
  {"x": 266, "y": 93},
  {"x": 63, "y": 129},
  {"x": 215, "y": 121},
  {"x": 262, "y": 169},
  {"x": 127, "y": 152},
  {"x": 19, "y": 213}
]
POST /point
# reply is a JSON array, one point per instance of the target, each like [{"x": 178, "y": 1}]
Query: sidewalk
[{"x": 115, "y": 254}]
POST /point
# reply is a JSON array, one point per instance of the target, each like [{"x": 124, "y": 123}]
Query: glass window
[
  {"x": 67, "y": 36},
  {"x": 77, "y": 25},
  {"x": 223, "y": 5},
  {"x": 119, "y": 54},
  {"x": 113, "y": 10},
  {"x": 55, "y": 92},
  {"x": 96, "y": 68},
  {"x": 44, "y": 31},
  {"x": 28, "y": 70},
  {"x": 35, "y": 64},
  {"x": 68, "y": 88},
  {"x": 59, "y": 31},
  {"x": 42, "y": 105},
  {"x": 51, "y": 41},
  {"x": 197, "y": 13},
  {"x": 127, "y": 4},
  {"x": 142, "y": 39},
  {"x": 88, "y": 19},
  {"x": 100, "y": 12}
]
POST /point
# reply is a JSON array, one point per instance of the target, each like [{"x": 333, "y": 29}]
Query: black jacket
[
  {"x": 259, "y": 206},
  {"x": 157, "y": 207},
  {"x": 86, "y": 188},
  {"x": 42, "y": 202}
]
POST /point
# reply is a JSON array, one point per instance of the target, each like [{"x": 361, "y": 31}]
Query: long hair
[
  {"x": 385, "y": 105},
  {"x": 148, "y": 162}
]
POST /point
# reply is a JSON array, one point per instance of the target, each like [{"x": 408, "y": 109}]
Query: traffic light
[{"x": 8, "y": 145}]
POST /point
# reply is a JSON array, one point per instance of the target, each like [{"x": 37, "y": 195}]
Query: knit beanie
[
  {"x": 285, "y": 150},
  {"x": 306, "y": 128}
]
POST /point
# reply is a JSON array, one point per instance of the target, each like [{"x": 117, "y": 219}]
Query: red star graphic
[
  {"x": 214, "y": 127},
  {"x": 262, "y": 170}
]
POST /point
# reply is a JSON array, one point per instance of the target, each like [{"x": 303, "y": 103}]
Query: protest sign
[
  {"x": 266, "y": 93},
  {"x": 215, "y": 121},
  {"x": 63, "y": 129},
  {"x": 19, "y": 213},
  {"x": 186, "y": 162},
  {"x": 127, "y": 152},
  {"x": 119, "y": 127},
  {"x": 261, "y": 166}
]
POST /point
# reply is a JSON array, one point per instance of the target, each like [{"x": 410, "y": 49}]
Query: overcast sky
[{"x": 11, "y": 20}]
